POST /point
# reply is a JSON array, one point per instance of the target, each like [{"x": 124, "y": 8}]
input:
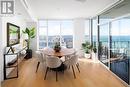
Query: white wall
[
  {"x": 17, "y": 20},
  {"x": 79, "y": 34},
  {"x": 34, "y": 40},
  {"x": 0, "y": 51}
]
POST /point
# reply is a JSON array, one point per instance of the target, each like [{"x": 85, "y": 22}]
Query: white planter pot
[
  {"x": 87, "y": 55},
  {"x": 94, "y": 57}
]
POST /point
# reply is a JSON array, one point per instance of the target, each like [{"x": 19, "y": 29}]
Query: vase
[{"x": 57, "y": 49}]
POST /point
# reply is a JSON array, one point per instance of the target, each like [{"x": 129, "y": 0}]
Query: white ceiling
[
  {"x": 21, "y": 11},
  {"x": 67, "y": 9}
]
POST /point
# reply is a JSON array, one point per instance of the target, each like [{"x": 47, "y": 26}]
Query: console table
[{"x": 11, "y": 63}]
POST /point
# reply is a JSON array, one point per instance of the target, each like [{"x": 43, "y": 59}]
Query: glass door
[
  {"x": 120, "y": 48},
  {"x": 104, "y": 44}
]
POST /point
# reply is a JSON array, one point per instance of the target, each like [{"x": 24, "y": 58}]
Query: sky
[
  {"x": 55, "y": 27},
  {"x": 121, "y": 27},
  {"x": 118, "y": 27}
]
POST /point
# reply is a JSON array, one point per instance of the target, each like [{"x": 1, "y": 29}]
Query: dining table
[{"x": 63, "y": 54}]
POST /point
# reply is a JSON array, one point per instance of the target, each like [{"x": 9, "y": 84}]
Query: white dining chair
[
  {"x": 52, "y": 63},
  {"x": 41, "y": 58},
  {"x": 70, "y": 55},
  {"x": 71, "y": 62}
]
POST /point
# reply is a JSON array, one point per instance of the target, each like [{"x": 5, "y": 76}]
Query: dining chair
[
  {"x": 71, "y": 62},
  {"x": 66, "y": 57},
  {"x": 47, "y": 48},
  {"x": 70, "y": 55},
  {"x": 41, "y": 58},
  {"x": 52, "y": 62}
]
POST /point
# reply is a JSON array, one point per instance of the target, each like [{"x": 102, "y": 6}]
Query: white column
[
  {"x": 1, "y": 53},
  {"x": 79, "y": 34}
]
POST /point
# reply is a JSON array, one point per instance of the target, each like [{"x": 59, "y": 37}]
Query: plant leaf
[
  {"x": 27, "y": 31},
  {"x": 33, "y": 29},
  {"x": 23, "y": 31},
  {"x": 33, "y": 36},
  {"x": 32, "y": 33}
]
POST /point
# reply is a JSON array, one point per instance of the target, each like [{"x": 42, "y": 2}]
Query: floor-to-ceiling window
[
  {"x": 120, "y": 47},
  {"x": 42, "y": 34},
  {"x": 67, "y": 33},
  {"x": 114, "y": 46},
  {"x": 104, "y": 43},
  {"x": 49, "y": 30},
  {"x": 53, "y": 31},
  {"x": 114, "y": 38}
]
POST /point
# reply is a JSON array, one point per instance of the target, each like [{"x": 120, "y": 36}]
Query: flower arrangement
[{"x": 57, "y": 47}]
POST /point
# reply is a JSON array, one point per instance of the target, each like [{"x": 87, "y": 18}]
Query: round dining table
[{"x": 63, "y": 52}]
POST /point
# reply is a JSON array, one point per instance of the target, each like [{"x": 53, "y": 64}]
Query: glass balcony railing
[{"x": 119, "y": 57}]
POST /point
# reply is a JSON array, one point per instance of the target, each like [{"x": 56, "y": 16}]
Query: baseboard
[{"x": 123, "y": 82}]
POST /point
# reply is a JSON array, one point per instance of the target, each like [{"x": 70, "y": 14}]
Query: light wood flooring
[{"x": 91, "y": 75}]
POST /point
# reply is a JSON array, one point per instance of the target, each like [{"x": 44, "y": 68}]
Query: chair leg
[
  {"x": 73, "y": 72},
  {"x": 63, "y": 69},
  {"x": 56, "y": 75},
  {"x": 68, "y": 67},
  {"x": 37, "y": 65},
  {"x": 78, "y": 67},
  {"x": 46, "y": 73},
  {"x": 77, "y": 64}
]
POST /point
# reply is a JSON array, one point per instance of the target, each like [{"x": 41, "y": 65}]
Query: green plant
[
  {"x": 94, "y": 49},
  {"x": 57, "y": 47},
  {"x": 31, "y": 34},
  {"x": 86, "y": 47}
]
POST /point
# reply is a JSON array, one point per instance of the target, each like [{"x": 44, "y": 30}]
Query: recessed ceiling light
[{"x": 80, "y": 0}]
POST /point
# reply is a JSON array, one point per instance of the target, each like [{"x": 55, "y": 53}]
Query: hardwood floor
[{"x": 91, "y": 75}]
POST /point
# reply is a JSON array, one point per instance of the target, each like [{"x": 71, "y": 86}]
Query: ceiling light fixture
[{"x": 81, "y": 1}]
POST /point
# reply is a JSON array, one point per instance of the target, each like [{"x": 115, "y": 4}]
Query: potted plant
[
  {"x": 31, "y": 34},
  {"x": 87, "y": 49},
  {"x": 94, "y": 49},
  {"x": 94, "y": 54},
  {"x": 57, "y": 47}
]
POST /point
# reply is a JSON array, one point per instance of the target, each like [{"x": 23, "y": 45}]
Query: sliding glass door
[
  {"x": 114, "y": 46},
  {"x": 120, "y": 48},
  {"x": 104, "y": 43}
]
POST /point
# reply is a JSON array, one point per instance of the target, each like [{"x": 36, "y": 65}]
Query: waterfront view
[
  {"x": 51, "y": 29},
  {"x": 67, "y": 41},
  {"x": 116, "y": 41}
]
